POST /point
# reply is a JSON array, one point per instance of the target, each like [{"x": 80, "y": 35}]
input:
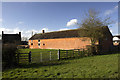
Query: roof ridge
[
  {"x": 58, "y": 31},
  {"x": 60, "y": 34}
]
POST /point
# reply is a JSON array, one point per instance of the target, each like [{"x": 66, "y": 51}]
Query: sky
[{"x": 26, "y": 17}]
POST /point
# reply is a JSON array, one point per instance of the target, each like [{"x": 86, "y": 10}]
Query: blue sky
[{"x": 51, "y": 16}]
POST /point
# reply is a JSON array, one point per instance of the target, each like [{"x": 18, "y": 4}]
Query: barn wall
[
  {"x": 61, "y": 43},
  {"x": 107, "y": 45}
]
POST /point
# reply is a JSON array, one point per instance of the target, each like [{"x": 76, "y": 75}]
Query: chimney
[
  {"x": 19, "y": 33},
  {"x": 43, "y": 31}
]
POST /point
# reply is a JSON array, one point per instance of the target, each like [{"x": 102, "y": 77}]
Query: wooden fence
[
  {"x": 65, "y": 54},
  {"x": 24, "y": 57},
  {"x": 36, "y": 57}
]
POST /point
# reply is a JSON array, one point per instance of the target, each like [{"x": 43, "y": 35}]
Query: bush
[
  {"x": 93, "y": 49},
  {"x": 9, "y": 58}
]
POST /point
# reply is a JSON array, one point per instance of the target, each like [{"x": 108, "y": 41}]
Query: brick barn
[{"x": 67, "y": 39}]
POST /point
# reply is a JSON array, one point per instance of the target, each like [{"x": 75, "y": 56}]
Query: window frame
[
  {"x": 31, "y": 43},
  {"x": 39, "y": 41},
  {"x": 38, "y": 44}
]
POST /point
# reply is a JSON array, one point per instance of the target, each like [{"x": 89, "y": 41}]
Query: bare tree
[
  {"x": 24, "y": 38},
  {"x": 93, "y": 25}
]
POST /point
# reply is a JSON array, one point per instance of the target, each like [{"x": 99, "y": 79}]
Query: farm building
[
  {"x": 24, "y": 44},
  {"x": 11, "y": 38},
  {"x": 67, "y": 39}
]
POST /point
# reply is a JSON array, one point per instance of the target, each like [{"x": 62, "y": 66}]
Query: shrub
[
  {"x": 93, "y": 49},
  {"x": 9, "y": 52}
]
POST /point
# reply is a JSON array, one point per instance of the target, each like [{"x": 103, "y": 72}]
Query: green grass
[
  {"x": 35, "y": 50},
  {"x": 102, "y": 66}
]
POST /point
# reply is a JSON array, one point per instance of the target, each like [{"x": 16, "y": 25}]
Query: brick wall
[{"x": 61, "y": 43}]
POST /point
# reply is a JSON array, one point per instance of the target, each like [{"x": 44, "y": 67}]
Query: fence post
[
  {"x": 59, "y": 54},
  {"x": 66, "y": 53},
  {"x": 30, "y": 57},
  {"x": 50, "y": 55},
  {"x": 83, "y": 53},
  {"x": 18, "y": 58},
  {"x": 73, "y": 53},
  {"x": 41, "y": 57},
  {"x": 78, "y": 52}
]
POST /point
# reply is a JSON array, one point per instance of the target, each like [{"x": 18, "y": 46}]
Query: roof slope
[{"x": 60, "y": 34}]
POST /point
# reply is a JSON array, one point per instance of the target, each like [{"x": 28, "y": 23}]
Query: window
[
  {"x": 31, "y": 43},
  {"x": 39, "y": 44},
  {"x": 38, "y": 40},
  {"x": 31, "y": 40},
  {"x": 43, "y": 44}
]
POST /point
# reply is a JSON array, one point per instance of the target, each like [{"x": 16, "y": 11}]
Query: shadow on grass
[
  {"x": 72, "y": 58},
  {"x": 110, "y": 52},
  {"x": 41, "y": 64}
]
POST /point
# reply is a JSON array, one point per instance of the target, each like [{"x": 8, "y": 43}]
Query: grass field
[
  {"x": 102, "y": 66},
  {"x": 35, "y": 50}
]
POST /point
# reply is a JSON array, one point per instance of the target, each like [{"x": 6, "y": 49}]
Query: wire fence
[{"x": 44, "y": 56}]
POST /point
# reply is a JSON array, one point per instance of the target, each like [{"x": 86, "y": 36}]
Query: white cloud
[
  {"x": 116, "y": 7},
  {"x": 28, "y": 33},
  {"x": 72, "y": 22},
  {"x": 24, "y": 33},
  {"x": 9, "y": 31},
  {"x": 108, "y": 12}
]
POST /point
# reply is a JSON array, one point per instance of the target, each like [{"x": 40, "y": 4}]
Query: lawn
[
  {"x": 101, "y": 66},
  {"x": 35, "y": 50}
]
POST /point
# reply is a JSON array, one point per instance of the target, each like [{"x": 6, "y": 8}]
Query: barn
[
  {"x": 67, "y": 39},
  {"x": 11, "y": 38}
]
